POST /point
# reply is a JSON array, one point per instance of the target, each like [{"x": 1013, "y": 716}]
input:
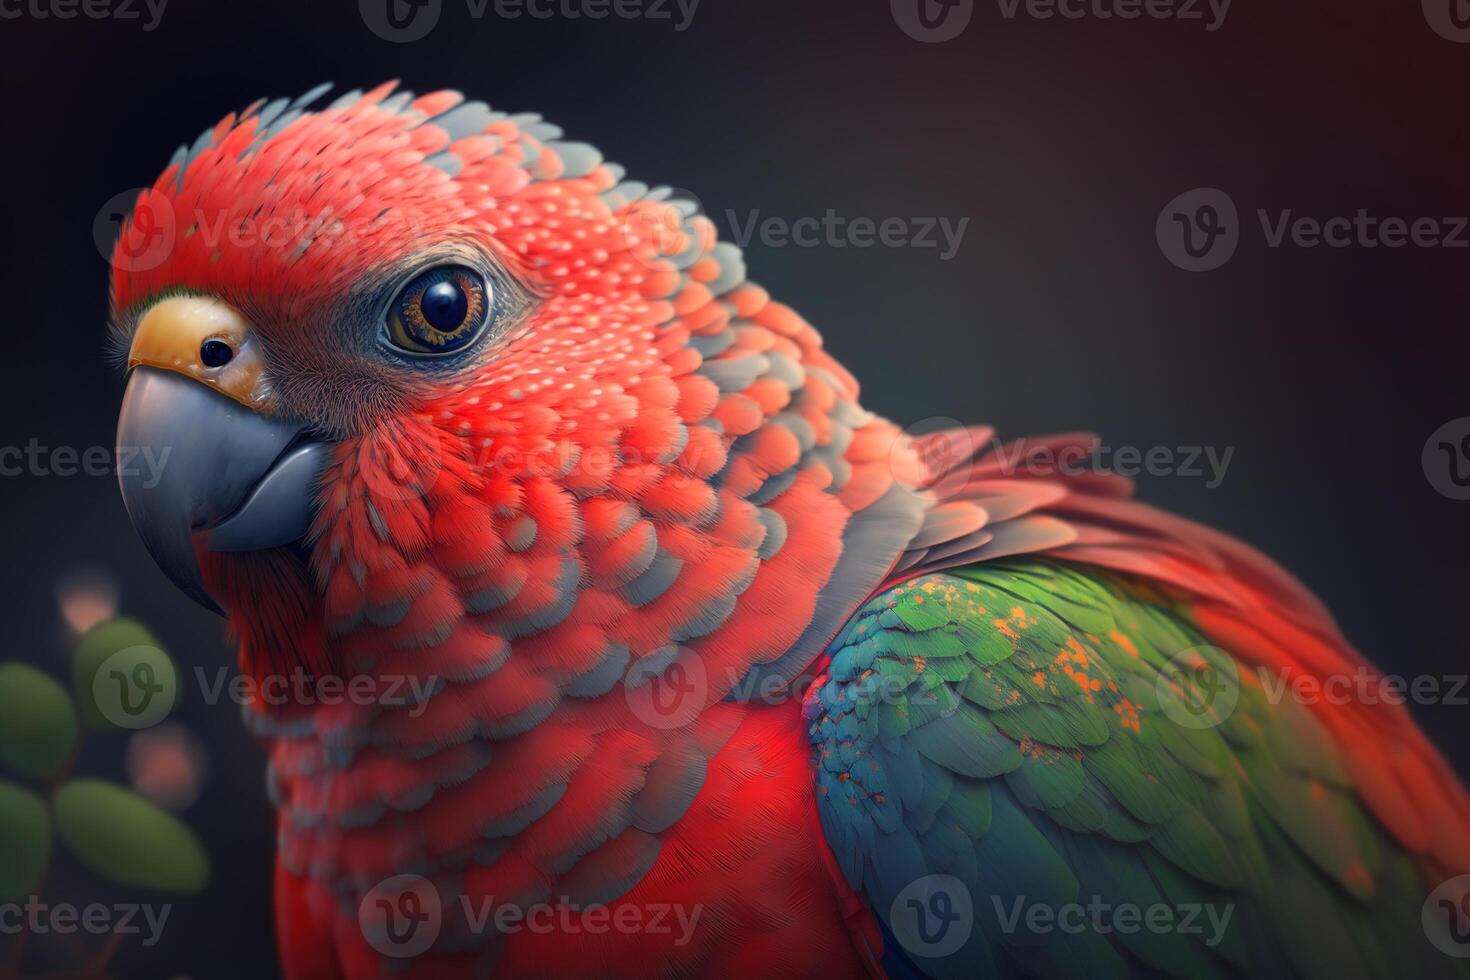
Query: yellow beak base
[{"x": 184, "y": 334}]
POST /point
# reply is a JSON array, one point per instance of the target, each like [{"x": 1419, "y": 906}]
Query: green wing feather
[{"x": 1017, "y": 726}]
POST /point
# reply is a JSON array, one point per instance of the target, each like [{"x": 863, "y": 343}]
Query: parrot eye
[{"x": 439, "y": 311}]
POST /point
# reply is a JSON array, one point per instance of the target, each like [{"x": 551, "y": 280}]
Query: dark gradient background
[{"x": 1326, "y": 369}]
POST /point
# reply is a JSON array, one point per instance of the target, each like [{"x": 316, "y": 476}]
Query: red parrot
[{"x": 634, "y": 646}]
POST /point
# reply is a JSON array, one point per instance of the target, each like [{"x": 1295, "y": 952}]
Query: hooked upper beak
[{"x": 231, "y": 476}]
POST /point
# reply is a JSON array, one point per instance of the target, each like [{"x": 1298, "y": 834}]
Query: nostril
[{"x": 215, "y": 353}]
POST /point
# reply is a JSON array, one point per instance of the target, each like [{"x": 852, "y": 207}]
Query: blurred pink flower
[
  {"x": 167, "y": 765},
  {"x": 87, "y": 597}
]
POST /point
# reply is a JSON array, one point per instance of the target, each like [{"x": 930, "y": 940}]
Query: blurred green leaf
[
  {"x": 127, "y": 839},
  {"x": 25, "y": 842},
  {"x": 38, "y": 725},
  {"x": 122, "y": 677}
]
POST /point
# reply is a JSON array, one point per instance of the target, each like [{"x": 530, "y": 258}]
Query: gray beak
[{"x": 228, "y": 479}]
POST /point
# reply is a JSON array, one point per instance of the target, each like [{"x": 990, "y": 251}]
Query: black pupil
[
  {"x": 445, "y": 306},
  {"x": 215, "y": 353}
]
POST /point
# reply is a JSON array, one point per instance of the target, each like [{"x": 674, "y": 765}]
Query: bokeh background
[{"x": 1060, "y": 140}]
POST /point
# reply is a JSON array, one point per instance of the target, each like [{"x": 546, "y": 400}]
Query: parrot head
[{"x": 415, "y": 363}]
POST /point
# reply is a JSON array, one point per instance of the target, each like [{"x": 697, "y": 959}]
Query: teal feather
[{"x": 1003, "y": 724}]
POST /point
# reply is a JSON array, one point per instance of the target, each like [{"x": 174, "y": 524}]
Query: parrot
[{"x": 635, "y": 646}]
